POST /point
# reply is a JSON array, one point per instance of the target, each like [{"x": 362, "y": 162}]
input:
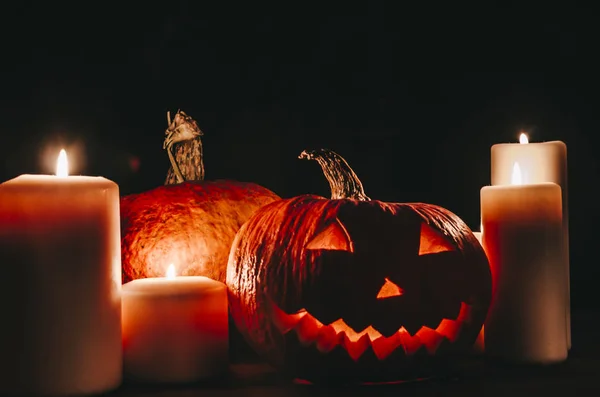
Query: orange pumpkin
[
  {"x": 189, "y": 222},
  {"x": 354, "y": 289}
]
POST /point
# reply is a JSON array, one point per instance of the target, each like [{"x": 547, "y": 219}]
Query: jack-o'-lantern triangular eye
[
  {"x": 433, "y": 241},
  {"x": 334, "y": 237}
]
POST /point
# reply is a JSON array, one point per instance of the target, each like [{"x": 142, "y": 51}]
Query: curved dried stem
[
  {"x": 174, "y": 166},
  {"x": 184, "y": 147},
  {"x": 344, "y": 183}
]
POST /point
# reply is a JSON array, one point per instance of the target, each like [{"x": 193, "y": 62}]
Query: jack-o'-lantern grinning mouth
[{"x": 310, "y": 330}]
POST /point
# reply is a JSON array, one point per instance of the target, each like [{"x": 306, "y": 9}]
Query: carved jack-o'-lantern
[{"x": 353, "y": 288}]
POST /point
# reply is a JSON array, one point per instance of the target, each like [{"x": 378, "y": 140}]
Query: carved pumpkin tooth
[
  {"x": 430, "y": 339},
  {"x": 449, "y": 328},
  {"x": 327, "y": 339},
  {"x": 383, "y": 347},
  {"x": 285, "y": 324},
  {"x": 356, "y": 348},
  {"x": 283, "y": 321},
  {"x": 307, "y": 329},
  {"x": 410, "y": 343}
]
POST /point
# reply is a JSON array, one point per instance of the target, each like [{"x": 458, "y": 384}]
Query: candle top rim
[
  {"x": 57, "y": 177},
  {"x": 164, "y": 286},
  {"x": 515, "y": 144},
  {"x": 32, "y": 179},
  {"x": 552, "y": 185}
]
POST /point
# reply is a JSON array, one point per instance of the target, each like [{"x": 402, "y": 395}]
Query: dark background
[{"x": 413, "y": 96}]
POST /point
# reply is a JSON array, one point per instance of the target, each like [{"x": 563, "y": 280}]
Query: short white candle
[
  {"x": 60, "y": 289},
  {"x": 175, "y": 329},
  {"x": 539, "y": 162},
  {"x": 524, "y": 243}
]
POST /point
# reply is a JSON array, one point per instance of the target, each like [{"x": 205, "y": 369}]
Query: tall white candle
[
  {"x": 60, "y": 286},
  {"x": 539, "y": 162},
  {"x": 523, "y": 239},
  {"x": 175, "y": 329}
]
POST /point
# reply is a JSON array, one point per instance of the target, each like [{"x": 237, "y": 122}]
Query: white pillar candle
[
  {"x": 539, "y": 162},
  {"x": 60, "y": 286},
  {"x": 175, "y": 329},
  {"x": 524, "y": 244}
]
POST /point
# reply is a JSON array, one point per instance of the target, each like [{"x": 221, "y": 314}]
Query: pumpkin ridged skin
[
  {"x": 191, "y": 225},
  {"x": 269, "y": 264}
]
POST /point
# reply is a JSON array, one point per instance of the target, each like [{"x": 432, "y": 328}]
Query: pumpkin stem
[
  {"x": 343, "y": 181},
  {"x": 184, "y": 147}
]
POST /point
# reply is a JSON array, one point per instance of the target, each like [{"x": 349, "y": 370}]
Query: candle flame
[
  {"x": 171, "y": 271},
  {"x": 523, "y": 139},
  {"x": 62, "y": 165},
  {"x": 516, "y": 175}
]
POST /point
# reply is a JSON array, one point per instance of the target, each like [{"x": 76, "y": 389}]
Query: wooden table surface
[{"x": 578, "y": 376}]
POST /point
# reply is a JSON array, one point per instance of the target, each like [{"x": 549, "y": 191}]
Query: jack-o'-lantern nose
[{"x": 389, "y": 290}]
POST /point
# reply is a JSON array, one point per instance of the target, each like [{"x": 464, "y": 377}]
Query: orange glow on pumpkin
[{"x": 389, "y": 290}]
